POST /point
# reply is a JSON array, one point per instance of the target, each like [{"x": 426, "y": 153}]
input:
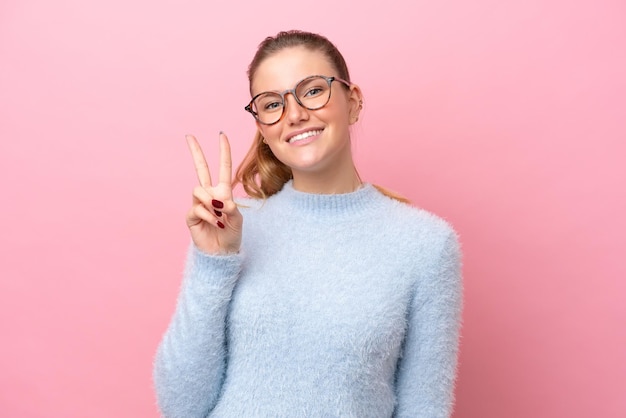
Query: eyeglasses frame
[{"x": 282, "y": 95}]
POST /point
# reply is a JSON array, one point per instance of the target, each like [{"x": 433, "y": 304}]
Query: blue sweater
[{"x": 336, "y": 306}]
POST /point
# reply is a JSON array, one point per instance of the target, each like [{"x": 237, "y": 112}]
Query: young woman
[{"x": 321, "y": 295}]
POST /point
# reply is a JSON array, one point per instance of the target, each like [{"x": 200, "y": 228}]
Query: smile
[{"x": 303, "y": 135}]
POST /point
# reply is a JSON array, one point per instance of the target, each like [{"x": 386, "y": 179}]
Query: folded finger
[{"x": 199, "y": 213}]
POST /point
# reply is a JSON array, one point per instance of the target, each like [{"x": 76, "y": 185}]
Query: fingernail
[
  {"x": 217, "y": 212},
  {"x": 221, "y": 225},
  {"x": 221, "y": 132},
  {"x": 217, "y": 204}
]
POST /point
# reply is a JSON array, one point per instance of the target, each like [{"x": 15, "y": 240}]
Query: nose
[{"x": 294, "y": 113}]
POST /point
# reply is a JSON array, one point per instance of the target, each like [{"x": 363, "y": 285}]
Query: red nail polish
[
  {"x": 221, "y": 225},
  {"x": 217, "y": 204},
  {"x": 217, "y": 213}
]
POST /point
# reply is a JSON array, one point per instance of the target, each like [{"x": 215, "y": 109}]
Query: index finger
[
  {"x": 202, "y": 168},
  {"x": 226, "y": 164}
]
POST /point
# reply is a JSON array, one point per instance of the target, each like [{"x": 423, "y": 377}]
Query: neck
[{"x": 328, "y": 182}]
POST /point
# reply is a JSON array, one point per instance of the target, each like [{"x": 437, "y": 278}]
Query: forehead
[{"x": 285, "y": 68}]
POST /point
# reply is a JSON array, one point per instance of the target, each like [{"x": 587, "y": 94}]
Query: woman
[{"x": 332, "y": 298}]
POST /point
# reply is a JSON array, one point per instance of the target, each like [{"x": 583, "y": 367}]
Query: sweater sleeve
[
  {"x": 427, "y": 369},
  {"x": 190, "y": 360}
]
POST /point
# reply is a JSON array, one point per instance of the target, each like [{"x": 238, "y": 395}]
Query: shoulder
[
  {"x": 255, "y": 212},
  {"x": 417, "y": 232},
  {"x": 414, "y": 220},
  {"x": 431, "y": 247}
]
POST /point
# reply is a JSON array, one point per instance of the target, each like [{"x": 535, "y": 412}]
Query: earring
[{"x": 360, "y": 104}]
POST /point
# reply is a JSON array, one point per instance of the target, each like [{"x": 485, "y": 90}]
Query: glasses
[{"x": 311, "y": 93}]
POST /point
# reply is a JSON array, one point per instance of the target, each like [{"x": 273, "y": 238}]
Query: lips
[{"x": 303, "y": 135}]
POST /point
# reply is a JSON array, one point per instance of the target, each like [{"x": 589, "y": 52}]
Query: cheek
[
  {"x": 338, "y": 110},
  {"x": 270, "y": 132},
  {"x": 337, "y": 115}
]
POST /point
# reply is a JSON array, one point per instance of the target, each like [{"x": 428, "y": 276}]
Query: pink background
[{"x": 506, "y": 118}]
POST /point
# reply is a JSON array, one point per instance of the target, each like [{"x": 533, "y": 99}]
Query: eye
[
  {"x": 268, "y": 102},
  {"x": 272, "y": 106},
  {"x": 313, "y": 91}
]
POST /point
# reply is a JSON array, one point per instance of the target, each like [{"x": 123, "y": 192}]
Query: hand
[{"x": 214, "y": 221}]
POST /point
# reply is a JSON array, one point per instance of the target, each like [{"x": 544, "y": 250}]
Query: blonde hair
[{"x": 260, "y": 173}]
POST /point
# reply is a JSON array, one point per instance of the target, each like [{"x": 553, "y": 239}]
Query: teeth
[{"x": 304, "y": 135}]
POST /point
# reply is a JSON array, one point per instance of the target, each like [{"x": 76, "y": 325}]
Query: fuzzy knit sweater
[{"x": 341, "y": 305}]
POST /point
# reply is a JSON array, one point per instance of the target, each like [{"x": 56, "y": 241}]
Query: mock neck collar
[{"x": 331, "y": 204}]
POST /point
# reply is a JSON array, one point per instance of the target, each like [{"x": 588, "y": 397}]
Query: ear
[{"x": 355, "y": 102}]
